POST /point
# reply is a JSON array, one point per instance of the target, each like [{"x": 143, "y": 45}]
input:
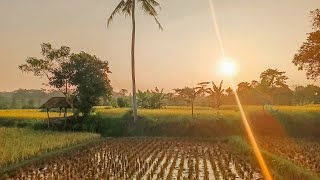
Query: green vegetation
[
  {"x": 281, "y": 168},
  {"x": 82, "y": 78},
  {"x": 294, "y": 121},
  {"x": 19, "y": 144}
]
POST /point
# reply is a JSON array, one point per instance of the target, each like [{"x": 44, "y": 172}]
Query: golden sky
[{"x": 258, "y": 34}]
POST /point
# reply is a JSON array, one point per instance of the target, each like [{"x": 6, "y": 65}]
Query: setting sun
[
  {"x": 227, "y": 67},
  {"x": 153, "y": 89}
]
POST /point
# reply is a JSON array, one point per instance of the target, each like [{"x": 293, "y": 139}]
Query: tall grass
[{"x": 18, "y": 144}]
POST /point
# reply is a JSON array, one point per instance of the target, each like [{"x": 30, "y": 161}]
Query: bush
[{"x": 122, "y": 102}]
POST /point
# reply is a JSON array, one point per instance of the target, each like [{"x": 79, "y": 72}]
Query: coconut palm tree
[{"x": 127, "y": 8}]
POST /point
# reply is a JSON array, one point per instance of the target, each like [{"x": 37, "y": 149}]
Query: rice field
[
  {"x": 18, "y": 144},
  {"x": 302, "y": 151},
  {"x": 288, "y": 136},
  {"x": 26, "y": 114},
  {"x": 145, "y": 158}
]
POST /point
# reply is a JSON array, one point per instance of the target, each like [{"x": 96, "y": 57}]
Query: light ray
[
  {"x": 255, "y": 147},
  {"x": 216, "y": 28},
  {"x": 256, "y": 150}
]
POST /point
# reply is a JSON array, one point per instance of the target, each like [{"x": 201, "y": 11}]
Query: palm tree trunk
[{"x": 134, "y": 96}]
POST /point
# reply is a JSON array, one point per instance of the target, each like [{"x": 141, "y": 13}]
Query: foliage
[
  {"x": 18, "y": 144},
  {"x": 307, "y": 95},
  {"x": 123, "y": 92},
  {"x": 82, "y": 78},
  {"x": 50, "y": 67},
  {"x": 190, "y": 94},
  {"x": 280, "y": 167},
  {"x": 122, "y": 102},
  {"x": 216, "y": 92},
  {"x": 271, "y": 89},
  {"x": 307, "y": 58},
  {"x": 89, "y": 76},
  {"x": 153, "y": 99},
  {"x": 125, "y": 7}
]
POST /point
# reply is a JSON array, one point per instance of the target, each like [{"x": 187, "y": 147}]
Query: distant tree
[
  {"x": 153, "y": 99},
  {"x": 190, "y": 95},
  {"x": 229, "y": 97},
  {"x": 308, "y": 56},
  {"x": 143, "y": 99},
  {"x": 127, "y": 8},
  {"x": 157, "y": 98},
  {"x": 123, "y": 92},
  {"x": 216, "y": 92},
  {"x": 31, "y": 103},
  {"x": 272, "y": 84},
  {"x": 273, "y": 78},
  {"x": 13, "y": 103},
  {"x": 122, "y": 102},
  {"x": 307, "y": 95},
  {"x": 3, "y": 103}
]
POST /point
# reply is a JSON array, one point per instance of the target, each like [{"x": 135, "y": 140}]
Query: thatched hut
[{"x": 60, "y": 103}]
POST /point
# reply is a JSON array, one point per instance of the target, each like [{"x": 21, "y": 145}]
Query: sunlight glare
[{"x": 227, "y": 67}]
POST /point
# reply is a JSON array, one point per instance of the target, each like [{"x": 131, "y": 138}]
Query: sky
[{"x": 256, "y": 34}]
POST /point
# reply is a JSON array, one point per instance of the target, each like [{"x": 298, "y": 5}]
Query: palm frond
[
  {"x": 127, "y": 9},
  {"x": 148, "y": 6},
  {"x": 154, "y": 3},
  {"x": 117, "y": 10},
  {"x": 159, "y": 24}
]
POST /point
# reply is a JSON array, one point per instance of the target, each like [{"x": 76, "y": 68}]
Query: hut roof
[{"x": 56, "y": 102}]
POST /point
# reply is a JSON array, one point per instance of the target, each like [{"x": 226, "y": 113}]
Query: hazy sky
[{"x": 258, "y": 34}]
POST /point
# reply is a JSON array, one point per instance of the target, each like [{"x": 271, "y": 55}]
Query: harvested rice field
[{"x": 144, "y": 158}]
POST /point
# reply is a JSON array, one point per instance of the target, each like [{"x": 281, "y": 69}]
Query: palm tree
[
  {"x": 216, "y": 92},
  {"x": 127, "y": 8}
]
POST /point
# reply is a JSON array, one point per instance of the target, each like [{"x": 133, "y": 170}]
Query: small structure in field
[{"x": 56, "y": 103}]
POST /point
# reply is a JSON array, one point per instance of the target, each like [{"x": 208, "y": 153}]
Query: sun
[{"x": 227, "y": 67}]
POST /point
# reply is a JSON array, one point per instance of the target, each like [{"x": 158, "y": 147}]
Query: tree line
[
  {"x": 83, "y": 78},
  {"x": 271, "y": 89}
]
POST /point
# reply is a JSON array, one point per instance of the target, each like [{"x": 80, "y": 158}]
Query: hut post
[
  {"x": 65, "y": 112},
  {"x": 48, "y": 117},
  {"x": 60, "y": 112}
]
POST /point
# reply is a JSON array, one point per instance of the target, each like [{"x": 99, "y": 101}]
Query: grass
[
  {"x": 26, "y": 114},
  {"x": 18, "y": 144},
  {"x": 279, "y": 166},
  {"x": 295, "y": 121}
]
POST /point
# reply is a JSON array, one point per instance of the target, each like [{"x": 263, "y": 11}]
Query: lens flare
[
  {"x": 229, "y": 69},
  {"x": 255, "y": 147}
]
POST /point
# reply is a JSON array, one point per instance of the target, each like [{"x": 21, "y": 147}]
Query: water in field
[{"x": 144, "y": 158}]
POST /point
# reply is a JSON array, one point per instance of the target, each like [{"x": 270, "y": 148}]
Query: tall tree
[
  {"x": 308, "y": 56},
  {"x": 127, "y": 8}
]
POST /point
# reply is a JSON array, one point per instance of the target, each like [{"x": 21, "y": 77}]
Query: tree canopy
[
  {"x": 82, "y": 77},
  {"x": 308, "y": 56}
]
